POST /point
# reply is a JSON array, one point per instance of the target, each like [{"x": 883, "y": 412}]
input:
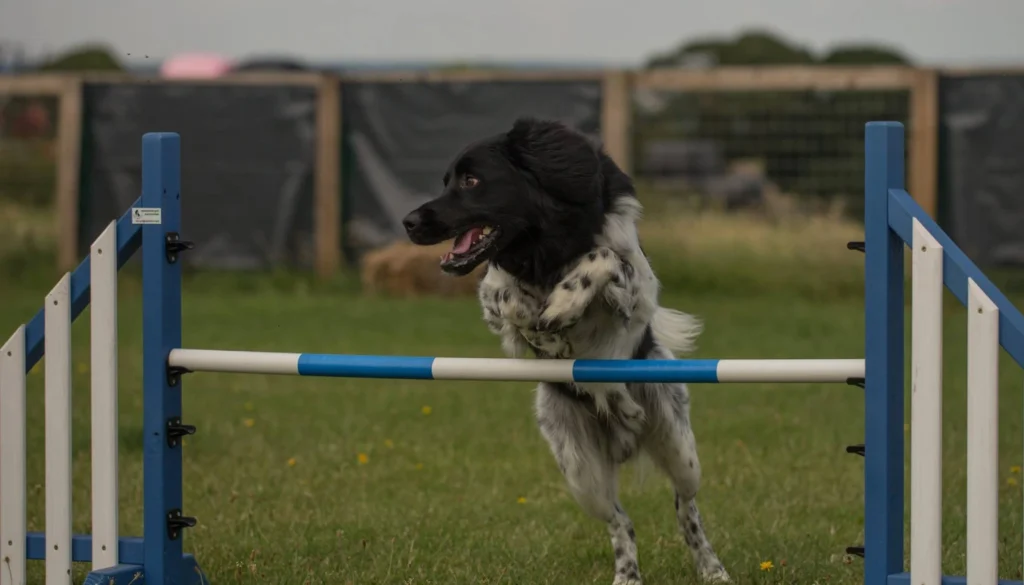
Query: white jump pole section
[
  {"x": 790, "y": 370},
  {"x": 58, "y": 432},
  {"x": 982, "y": 436},
  {"x": 13, "y": 503},
  {"x": 926, "y": 409},
  {"x": 103, "y": 358},
  {"x": 238, "y": 362}
]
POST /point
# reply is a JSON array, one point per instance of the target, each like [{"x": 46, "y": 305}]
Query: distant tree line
[
  {"x": 84, "y": 58},
  {"x": 757, "y": 47}
]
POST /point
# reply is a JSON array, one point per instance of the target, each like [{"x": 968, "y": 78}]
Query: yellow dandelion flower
[
  {"x": 363, "y": 459},
  {"x": 521, "y": 500},
  {"x": 249, "y": 422},
  {"x": 1015, "y": 469},
  {"x": 1011, "y": 481},
  {"x": 291, "y": 462},
  {"x": 250, "y": 406},
  {"x": 426, "y": 410},
  {"x": 419, "y": 466},
  {"x": 766, "y": 565},
  {"x": 389, "y": 443}
]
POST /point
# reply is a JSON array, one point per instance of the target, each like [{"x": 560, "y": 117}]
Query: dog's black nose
[{"x": 412, "y": 220}]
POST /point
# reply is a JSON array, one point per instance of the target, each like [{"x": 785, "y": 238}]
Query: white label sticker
[{"x": 146, "y": 215}]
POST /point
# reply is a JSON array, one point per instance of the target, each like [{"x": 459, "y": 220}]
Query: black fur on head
[{"x": 529, "y": 200}]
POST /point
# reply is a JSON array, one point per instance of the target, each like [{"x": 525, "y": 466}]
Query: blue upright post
[
  {"x": 883, "y": 388},
  {"x": 164, "y": 519}
]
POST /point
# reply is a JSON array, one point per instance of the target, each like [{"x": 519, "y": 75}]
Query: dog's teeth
[{"x": 487, "y": 230}]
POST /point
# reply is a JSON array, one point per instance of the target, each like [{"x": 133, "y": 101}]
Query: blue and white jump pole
[
  {"x": 892, "y": 220},
  {"x": 527, "y": 370}
]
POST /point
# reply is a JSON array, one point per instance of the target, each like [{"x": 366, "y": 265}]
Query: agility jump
[{"x": 152, "y": 225}]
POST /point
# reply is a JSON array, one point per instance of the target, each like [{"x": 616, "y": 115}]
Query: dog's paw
[
  {"x": 620, "y": 296},
  {"x": 551, "y": 324},
  {"x": 563, "y": 308},
  {"x": 627, "y": 580},
  {"x": 550, "y": 344},
  {"x": 715, "y": 575},
  {"x": 495, "y": 324},
  {"x": 570, "y": 298},
  {"x": 631, "y": 414},
  {"x": 621, "y": 409}
]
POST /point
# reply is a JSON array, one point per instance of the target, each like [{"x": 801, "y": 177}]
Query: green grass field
[{"x": 361, "y": 481}]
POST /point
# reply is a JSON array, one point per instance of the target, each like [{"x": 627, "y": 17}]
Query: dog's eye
[{"x": 469, "y": 181}]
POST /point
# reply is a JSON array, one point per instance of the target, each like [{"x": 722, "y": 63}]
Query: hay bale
[{"x": 406, "y": 270}]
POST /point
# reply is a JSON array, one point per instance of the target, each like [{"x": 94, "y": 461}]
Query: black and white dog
[{"x": 555, "y": 219}]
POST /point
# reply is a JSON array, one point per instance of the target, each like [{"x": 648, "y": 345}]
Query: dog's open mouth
[{"x": 469, "y": 249}]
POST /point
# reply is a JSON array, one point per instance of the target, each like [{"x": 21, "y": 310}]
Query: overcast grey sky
[{"x": 620, "y": 32}]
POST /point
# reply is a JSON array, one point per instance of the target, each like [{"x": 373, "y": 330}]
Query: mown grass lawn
[
  {"x": 363, "y": 481},
  {"x": 397, "y": 482}
]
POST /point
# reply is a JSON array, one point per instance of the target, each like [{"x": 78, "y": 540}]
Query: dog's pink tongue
[{"x": 465, "y": 241}]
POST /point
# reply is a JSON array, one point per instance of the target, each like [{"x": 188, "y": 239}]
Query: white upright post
[
  {"x": 12, "y": 459},
  {"x": 982, "y": 437},
  {"x": 103, "y": 358},
  {"x": 926, "y": 410},
  {"x": 57, "y": 313}
]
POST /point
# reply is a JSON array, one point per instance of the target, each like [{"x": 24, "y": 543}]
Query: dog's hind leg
[
  {"x": 579, "y": 444},
  {"x": 710, "y": 568},
  {"x": 673, "y": 449}
]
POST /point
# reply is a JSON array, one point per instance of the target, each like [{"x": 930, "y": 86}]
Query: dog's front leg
[
  {"x": 570, "y": 298},
  {"x": 574, "y": 437}
]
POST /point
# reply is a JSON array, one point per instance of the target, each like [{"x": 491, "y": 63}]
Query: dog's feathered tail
[{"x": 675, "y": 330}]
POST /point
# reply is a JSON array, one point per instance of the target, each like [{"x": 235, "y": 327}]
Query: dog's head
[{"x": 529, "y": 200}]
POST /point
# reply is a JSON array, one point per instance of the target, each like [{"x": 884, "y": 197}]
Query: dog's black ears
[{"x": 563, "y": 162}]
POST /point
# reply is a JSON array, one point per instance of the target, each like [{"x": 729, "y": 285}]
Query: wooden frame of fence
[
  {"x": 616, "y": 121},
  {"x": 616, "y": 111},
  {"x": 327, "y": 170},
  {"x": 68, "y": 91},
  {"x": 921, "y": 84},
  {"x": 980, "y": 71},
  {"x": 68, "y": 88}
]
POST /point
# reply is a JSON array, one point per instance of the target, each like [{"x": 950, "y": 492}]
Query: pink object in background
[{"x": 195, "y": 65}]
